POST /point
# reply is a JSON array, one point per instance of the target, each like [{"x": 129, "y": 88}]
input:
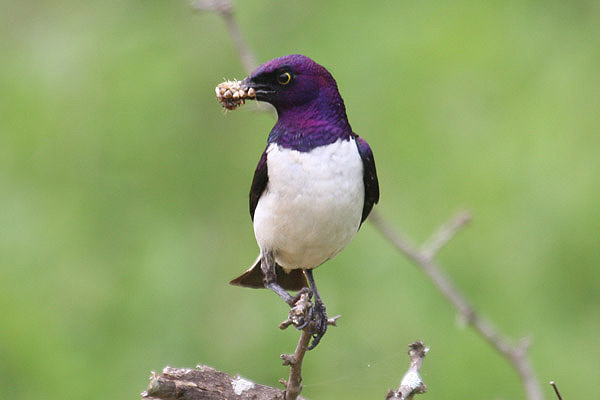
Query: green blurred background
[{"x": 123, "y": 193}]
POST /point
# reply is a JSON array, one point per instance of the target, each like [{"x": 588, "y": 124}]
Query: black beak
[{"x": 262, "y": 91}]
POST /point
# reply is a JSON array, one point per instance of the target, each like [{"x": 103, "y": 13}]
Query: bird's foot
[
  {"x": 319, "y": 322},
  {"x": 304, "y": 315}
]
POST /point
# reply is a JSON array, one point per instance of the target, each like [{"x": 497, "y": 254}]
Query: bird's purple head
[{"x": 306, "y": 97}]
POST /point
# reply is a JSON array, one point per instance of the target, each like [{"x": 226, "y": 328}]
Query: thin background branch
[
  {"x": 422, "y": 257},
  {"x": 556, "y": 391},
  {"x": 225, "y": 9}
]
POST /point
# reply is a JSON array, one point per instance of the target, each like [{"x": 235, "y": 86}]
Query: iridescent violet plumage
[{"x": 310, "y": 114}]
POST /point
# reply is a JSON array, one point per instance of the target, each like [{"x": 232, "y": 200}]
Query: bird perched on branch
[{"x": 314, "y": 185}]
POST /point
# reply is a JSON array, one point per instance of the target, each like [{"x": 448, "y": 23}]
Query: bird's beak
[{"x": 261, "y": 91}]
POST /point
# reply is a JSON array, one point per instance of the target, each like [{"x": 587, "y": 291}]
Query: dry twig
[
  {"x": 225, "y": 9},
  {"x": 424, "y": 259},
  {"x": 293, "y": 386},
  {"x": 205, "y": 383},
  {"x": 556, "y": 390},
  {"x": 411, "y": 382}
]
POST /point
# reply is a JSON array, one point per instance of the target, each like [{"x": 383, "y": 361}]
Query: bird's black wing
[
  {"x": 369, "y": 177},
  {"x": 259, "y": 183}
]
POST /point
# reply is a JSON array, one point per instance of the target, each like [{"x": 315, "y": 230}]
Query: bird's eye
[{"x": 284, "y": 78}]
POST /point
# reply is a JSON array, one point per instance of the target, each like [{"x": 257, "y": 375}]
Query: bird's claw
[
  {"x": 319, "y": 323},
  {"x": 301, "y": 321},
  {"x": 305, "y": 315}
]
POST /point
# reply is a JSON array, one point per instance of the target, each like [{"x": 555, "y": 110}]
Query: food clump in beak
[{"x": 232, "y": 94}]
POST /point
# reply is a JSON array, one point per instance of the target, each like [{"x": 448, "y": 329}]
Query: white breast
[{"x": 312, "y": 205}]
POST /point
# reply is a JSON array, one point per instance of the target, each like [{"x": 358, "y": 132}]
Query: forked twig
[
  {"x": 516, "y": 354},
  {"x": 444, "y": 234},
  {"x": 293, "y": 386}
]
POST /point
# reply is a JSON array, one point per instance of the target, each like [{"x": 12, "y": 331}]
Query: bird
[{"x": 314, "y": 185}]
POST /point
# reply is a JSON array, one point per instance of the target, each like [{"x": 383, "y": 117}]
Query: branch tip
[
  {"x": 411, "y": 382},
  {"x": 333, "y": 320},
  {"x": 288, "y": 359},
  {"x": 556, "y": 390}
]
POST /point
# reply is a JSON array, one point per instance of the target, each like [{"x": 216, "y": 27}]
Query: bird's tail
[{"x": 253, "y": 278}]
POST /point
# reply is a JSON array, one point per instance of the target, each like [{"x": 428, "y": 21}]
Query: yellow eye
[{"x": 284, "y": 78}]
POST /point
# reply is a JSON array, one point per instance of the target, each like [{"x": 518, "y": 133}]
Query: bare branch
[
  {"x": 298, "y": 313},
  {"x": 427, "y": 265},
  {"x": 411, "y": 383},
  {"x": 297, "y": 316},
  {"x": 225, "y": 9},
  {"x": 516, "y": 354},
  {"x": 445, "y": 233},
  {"x": 556, "y": 390},
  {"x": 205, "y": 383},
  {"x": 294, "y": 383}
]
